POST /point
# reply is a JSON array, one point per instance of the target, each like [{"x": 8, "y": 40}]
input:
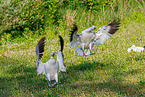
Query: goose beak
[{"x": 52, "y": 53}]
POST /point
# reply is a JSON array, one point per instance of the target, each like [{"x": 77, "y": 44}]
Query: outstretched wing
[
  {"x": 61, "y": 43},
  {"x": 74, "y": 36},
  {"x": 40, "y": 49},
  {"x": 103, "y": 33},
  {"x": 62, "y": 66}
]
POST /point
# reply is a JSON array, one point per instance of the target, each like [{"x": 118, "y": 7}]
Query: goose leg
[
  {"x": 49, "y": 84},
  {"x": 91, "y": 47},
  {"x": 48, "y": 77},
  {"x": 56, "y": 79},
  {"x": 83, "y": 49},
  {"x": 83, "y": 52}
]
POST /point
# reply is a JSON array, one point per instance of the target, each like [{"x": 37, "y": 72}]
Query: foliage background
[{"x": 111, "y": 71}]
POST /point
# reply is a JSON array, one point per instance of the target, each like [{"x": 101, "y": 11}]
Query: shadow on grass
[
  {"x": 88, "y": 66},
  {"x": 113, "y": 86},
  {"x": 72, "y": 72},
  {"x": 21, "y": 79},
  {"x": 136, "y": 56}
]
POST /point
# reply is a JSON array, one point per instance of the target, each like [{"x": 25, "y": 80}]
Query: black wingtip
[
  {"x": 41, "y": 45},
  {"x": 73, "y": 30},
  {"x": 114, "y": 26},
  {"x": 61, "y": 43}
]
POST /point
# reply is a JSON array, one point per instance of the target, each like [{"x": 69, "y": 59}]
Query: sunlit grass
[{"x": 110, "y": 71}]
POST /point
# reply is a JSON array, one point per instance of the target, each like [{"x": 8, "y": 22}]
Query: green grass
[{"x": 111, "y": 71}]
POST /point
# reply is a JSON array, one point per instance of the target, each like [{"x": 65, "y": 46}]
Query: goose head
[
  {"x": 89, "y": 30},
  {"x": 93, "y": 27},
  {"x": 52, "y": 54}
]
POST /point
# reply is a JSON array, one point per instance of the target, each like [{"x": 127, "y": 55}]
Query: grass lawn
[{"x": 111, "y": 71}]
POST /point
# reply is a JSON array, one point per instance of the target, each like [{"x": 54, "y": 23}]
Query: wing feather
[
  {"x": 61, "y": 43},
  {"x": 62, "y": 66},
  {"x": 105, "y": 32},
  {"x": 74, "y": 36},
  {"x": 40, "y": 49},
  {"x": 114, "y": 26}
]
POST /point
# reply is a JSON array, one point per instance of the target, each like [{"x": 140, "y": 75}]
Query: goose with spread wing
[
  {"x": 51, "y": 68},
  {"x": 85, "y": 41}
]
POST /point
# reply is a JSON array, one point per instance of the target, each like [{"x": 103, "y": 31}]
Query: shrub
[
  {"x": 88, "y": 4},
  {"x": 27, "y": 14}
]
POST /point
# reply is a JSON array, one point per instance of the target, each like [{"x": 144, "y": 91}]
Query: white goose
[
  {"x": 85, "y": 41},
  {"x": 51, "y": 68}
]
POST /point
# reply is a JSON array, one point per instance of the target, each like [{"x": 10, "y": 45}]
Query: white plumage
[
  {"x": 62, "y": 67},
  {"x": 51, "y": 68},
  {"x": 85, "y": 41},
  {"x": 136, "y": 49}
]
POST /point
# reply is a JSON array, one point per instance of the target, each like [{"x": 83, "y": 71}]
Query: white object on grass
[{"x": 136, "y": 49}]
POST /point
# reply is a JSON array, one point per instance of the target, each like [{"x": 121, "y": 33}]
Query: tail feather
[
  {"x": 80, "y": 51},
  {"x": 87, "y": 52},
  {"x": 74, "y": 44}
]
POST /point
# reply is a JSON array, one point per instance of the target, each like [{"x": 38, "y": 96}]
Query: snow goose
[
  {"x": 51, "y": 68},
  {"x": 85, "y": 41}
]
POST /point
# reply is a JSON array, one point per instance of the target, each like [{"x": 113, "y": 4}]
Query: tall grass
[{"x": 111, "y": 71}]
